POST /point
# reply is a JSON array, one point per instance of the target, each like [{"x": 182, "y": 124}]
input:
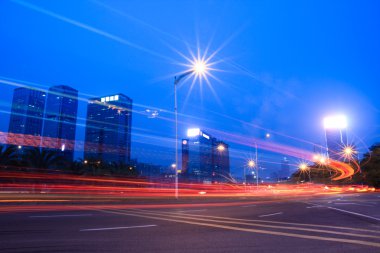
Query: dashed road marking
[
  {"x": 116, "y": 228},
  {"x": 271, "y": 214},
  {"x": 60, "y": 215}
]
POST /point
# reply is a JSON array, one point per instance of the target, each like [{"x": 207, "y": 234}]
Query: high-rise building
[
  {"x": 185, "y": 156},
  {"x": 60, "y": 120},
  {"x": 285, "y": 169},
  {"x": 108, "y": 129},
  {"x": 26, "y": 118},
  {"x": 336, "y": 136},
  {"x": 220, "y": 160},
  {"x": 204, "y": 158}
]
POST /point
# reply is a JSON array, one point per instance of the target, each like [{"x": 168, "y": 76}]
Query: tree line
[
  {"x": 35, "y": 159},
  {"x": 369, "y": 173}
]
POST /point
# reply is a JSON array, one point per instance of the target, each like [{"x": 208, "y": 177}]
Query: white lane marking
[
  {"x": 316, "y": 206},
  {"x": 248, "y": 206},
  {"x": 115, "y": 228},
  {"x": 186, "y": 211},
  {"x": 348, "y": 203},
  {"x": 60, "y": 215},
  {"x": 265, "y": 215},
  {"x": 358, "y": 214}
]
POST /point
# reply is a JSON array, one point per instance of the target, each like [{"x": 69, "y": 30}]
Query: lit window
[
  {"x": 111, "y": 98},
  {"x": 103, "y": 99},
  {"x": 107, "y": 99},
  {"x": 116, "y": 97}
]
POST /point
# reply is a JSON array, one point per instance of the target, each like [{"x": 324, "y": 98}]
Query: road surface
[{"x": 334, "y": 223}]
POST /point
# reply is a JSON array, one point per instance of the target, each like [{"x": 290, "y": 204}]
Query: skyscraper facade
[
  {"x": 336, "y": 136},
  {"x": 284, "y": 172},
  {"x": 220, "y": 161},
  {"x": 26, "y": 118},
  {"x": 108, "y": 129},
  {"x": 60, "y": 120},
  {"x": 204, "y": 158}
]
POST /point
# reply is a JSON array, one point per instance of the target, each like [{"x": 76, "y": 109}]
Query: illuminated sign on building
[
  {"x": 206, "y": 136},
  {"x": 110, "y": 98},
  {"x": 193, "y": 132}
]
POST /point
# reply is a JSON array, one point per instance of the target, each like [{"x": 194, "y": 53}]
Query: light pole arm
[{"x": 177, "y": 79}]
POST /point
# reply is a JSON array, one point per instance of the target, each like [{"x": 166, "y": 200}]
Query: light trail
[{"x": 22, "y": 187}]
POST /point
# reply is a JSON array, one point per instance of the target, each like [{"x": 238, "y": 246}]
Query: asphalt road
[{"x": 336, "y": 223}]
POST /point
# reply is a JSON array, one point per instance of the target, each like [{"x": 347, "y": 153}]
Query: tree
[
  {"x": 321, "y": 174},
  {"x": 42, "y": 159},
  {"x": 370, "y": 166},
  {"x": 123, "y": 169},
  {"x": 8, "y": 155}
]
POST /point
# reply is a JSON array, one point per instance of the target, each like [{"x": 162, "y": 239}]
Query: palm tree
[
  {"x": 42, "y": 159},
  {"x": 8, "y": 155}
]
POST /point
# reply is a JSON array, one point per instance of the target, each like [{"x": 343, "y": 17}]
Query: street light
[
  {"x": 348, "y": 152},
  {"x": 220, "y": 148},
  {"x": 251, "y": 164},
  {"x": 305, "y": 168},
  {"x": 199, "y": 69},
  {"x": 254, "y": 163}
]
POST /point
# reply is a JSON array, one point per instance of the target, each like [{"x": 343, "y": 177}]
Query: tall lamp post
[
  {"x": 257, "y": 168},
  {"x": 199, "y": 68}
]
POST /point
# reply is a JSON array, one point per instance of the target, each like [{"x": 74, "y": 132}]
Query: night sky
[{"x": 282, "y": 66}]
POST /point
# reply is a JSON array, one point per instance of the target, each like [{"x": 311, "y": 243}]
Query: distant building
[
  {"x": 285, "y": 169},
  {"x": 220, "y": 160},
  {"x": 108, "y": 129},
  {"x": 60, "y": 120},
  {"x": 26, "y": 118},
  {"x": 336, "y": 136},
  {"x": 204, "y": 158},
  {"x": 185, "y": 156}
]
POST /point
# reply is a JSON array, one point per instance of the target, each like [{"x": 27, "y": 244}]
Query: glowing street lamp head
[
  {"x": 221, "y": 148},
  {"x": 348, "y": 152},
  {"x": 322, "y": 160},
  {"x": 335, "y": 122},
  {"x": 316, "y": 157},
  {"x": 303, "y": 166},
  {"x": 251, "y": 163},
  {"x": 200, "y": 67}
]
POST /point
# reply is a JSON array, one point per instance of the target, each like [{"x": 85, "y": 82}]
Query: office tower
[
  {"x": 185, "y": 156},
  {"x": 108, "y": 129},
  {"x": 60, "y": 120},
  {"x": 220, "y": 161},
  {"x": 336, "y": 136},
  {"x": 204, "y": 158},
  {"x": 26, "y": 118},
  {"x": 285, "y": 169}
]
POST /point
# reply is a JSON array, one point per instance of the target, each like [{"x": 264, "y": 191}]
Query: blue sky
[{"x": 284, "y": 65}]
